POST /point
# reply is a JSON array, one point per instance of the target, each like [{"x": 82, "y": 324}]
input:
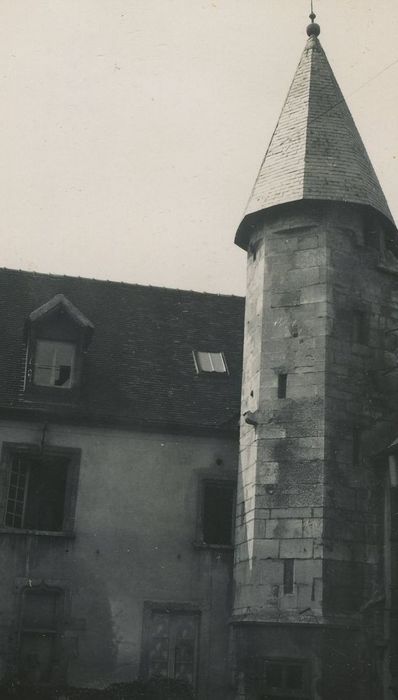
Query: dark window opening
[
  {"x": 360, "y": 328},
  {"x": 294, "y": 677},
  {"x": 39, "y": 628},
  {"x": 36, "y": 493},
  {"x": 54, "y": 364},
  {"x": 218, "y": 509},
  {"x": 356, "y": 446},
  {"x": 282, "y": 386},
  {"x": 288, "y": 576},
  {"x": 274, "y": 679},
  {"x": 274, "y": 676},
  {"x": 172, "y": 645}
]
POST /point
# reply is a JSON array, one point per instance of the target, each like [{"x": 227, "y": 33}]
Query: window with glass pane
[
  {"x": 211, "y": 362},
  {"x": 172, "y": 645},
  {"x": 36, "y": 493},
  {"x": 54, "y": 364}
]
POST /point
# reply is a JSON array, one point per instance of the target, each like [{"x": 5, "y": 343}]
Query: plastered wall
[{"x": 136, "y": 523}]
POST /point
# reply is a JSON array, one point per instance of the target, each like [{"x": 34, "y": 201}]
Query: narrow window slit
[
  {"x": 356, "y": 446},
  {"x": 288, "y": 576},
  {"x": 282, "y": 386}
]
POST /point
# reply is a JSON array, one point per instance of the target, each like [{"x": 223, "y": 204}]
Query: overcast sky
[{"x": 132, "y": 130}]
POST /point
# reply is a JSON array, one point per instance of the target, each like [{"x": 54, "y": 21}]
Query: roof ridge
[{"x": 118, "y": 283}]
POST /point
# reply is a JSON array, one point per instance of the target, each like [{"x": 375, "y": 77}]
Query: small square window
[
  {"x": 54, "y": 364},
  {"x": 210, "y": 362},
  {"x": 217, "y": 512}
]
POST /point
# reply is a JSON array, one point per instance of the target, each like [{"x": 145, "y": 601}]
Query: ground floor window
[
  {"x": 39, "y": 634},
  {"x": 171, "y": 643},
  {"x": 279, "y": 679}
]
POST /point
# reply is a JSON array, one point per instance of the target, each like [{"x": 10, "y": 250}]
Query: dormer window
[
  {"x": 54, "y": 364},
  {"x": 58, "y": 334},
  {"x": 210, "y": 362}
]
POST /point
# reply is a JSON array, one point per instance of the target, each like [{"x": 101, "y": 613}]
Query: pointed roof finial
[{"x": 313, "y": 29}]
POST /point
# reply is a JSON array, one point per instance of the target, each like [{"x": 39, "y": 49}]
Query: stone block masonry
[{"x": 305, "y": 497}]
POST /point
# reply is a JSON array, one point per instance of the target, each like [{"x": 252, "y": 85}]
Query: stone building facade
[
  {"x": 314, "y": 561},
  {"x": 141, "y": 534}
]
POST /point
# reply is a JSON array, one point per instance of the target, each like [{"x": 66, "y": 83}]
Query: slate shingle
[
  {"x": 139, "y": 366},
  {"x": 316, "y": 152}
]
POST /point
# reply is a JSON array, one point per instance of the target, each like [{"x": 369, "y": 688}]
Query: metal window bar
[{"x": 17, "y": 493}]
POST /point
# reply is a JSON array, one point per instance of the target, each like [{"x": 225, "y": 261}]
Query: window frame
[
  {"x": 55, "y": 632},
  {"x": 211, "y": 372},
  {"x": 73, "y": 365},
  {"x": 171, "y": 608},
  {"x": 47, "y": 393},
  {"x": 73, "y": 455}
]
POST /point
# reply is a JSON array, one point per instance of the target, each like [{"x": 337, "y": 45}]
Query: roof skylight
[{"x": 210, "y": 362}]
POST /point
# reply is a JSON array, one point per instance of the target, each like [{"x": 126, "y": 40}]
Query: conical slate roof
[{"x": 316, "y": 152}]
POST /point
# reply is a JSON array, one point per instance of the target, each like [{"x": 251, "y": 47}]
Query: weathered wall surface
[
  {"x": 310, "y": 505},
  {"x": 280, "y": 491},
  {"x": 136, "y": 524}
]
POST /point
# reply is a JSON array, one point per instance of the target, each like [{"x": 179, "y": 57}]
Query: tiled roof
[
  {"x": 316, "y": 152},
  {"x": 139, "y": 366}
]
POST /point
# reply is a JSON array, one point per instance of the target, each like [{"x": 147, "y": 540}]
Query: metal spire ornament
[{"x": 313, "y": 29}]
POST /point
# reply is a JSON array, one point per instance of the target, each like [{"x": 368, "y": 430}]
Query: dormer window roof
[{"x": 60, "y": 305}]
